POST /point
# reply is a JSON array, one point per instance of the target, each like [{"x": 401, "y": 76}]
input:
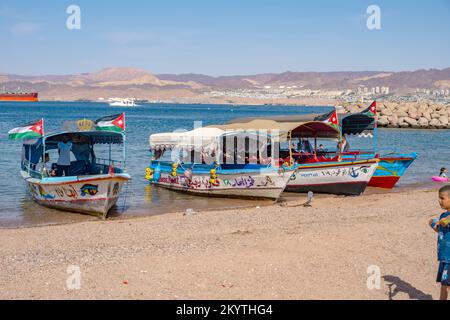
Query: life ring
[{"x": 439, "y": 179}]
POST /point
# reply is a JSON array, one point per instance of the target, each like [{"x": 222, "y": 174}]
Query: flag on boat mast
[
  {"x": 30, "y": 130},
  {"x": 111, "y": 123},
  {"x": 332, "y": 119},
  {"x": 371, "y": 111}
]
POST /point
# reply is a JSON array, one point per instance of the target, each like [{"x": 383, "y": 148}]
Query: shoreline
[
  {"x": 213, "y": 103},
  {"x": 270, "y": 252},
  {"x": 286, "y": 198}
]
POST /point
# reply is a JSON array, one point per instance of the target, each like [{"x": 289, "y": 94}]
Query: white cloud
[{"x": 24, "y": 28}]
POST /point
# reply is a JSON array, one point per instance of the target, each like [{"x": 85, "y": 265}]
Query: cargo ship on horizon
[{"x": 19, "y": 96}]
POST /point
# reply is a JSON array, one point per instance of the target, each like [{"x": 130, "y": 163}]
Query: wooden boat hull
[
  {"x": 93, "y": 195},
  {"x": 390, "y": 169},
  {"x": 265, "y": 183},
  {"x": 341, "y": 178}
]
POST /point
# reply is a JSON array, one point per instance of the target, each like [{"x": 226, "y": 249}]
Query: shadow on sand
[{"x": 396, "y": 285}]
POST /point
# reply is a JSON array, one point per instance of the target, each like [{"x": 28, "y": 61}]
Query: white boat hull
[
  {"x": 94, "y": 195},
  {"x": 342, "y": 178},
  {"x": 268, "y": 184}
]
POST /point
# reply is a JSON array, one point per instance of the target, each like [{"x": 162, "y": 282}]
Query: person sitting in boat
[
  {"x": 43, "y": 168},
  {"x": 304, "y": 146},
  {"x": 321, "y": 151},
  {"x": 443, "y": 173},
  {"x": 64, "y": 148}
]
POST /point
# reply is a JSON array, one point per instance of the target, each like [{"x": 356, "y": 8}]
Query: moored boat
[
  {"x": 341, "y": 178},
  {"x": 391, "y": 166},
  {"x": 235, "y": 181},
  {"x": 316, "y": 170},
  {"x": 212, "y": 176},
  {"x": 390, "y": 169},
  {"x": 90, "y": 185}
]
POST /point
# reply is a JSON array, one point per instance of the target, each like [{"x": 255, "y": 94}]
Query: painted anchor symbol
[{"x": 353, "y": 173}]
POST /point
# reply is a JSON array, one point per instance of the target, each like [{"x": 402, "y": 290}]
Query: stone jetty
[{"x": 416, "y": 115}]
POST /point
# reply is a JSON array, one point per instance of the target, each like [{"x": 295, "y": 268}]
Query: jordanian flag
[
  {"x": 371, "y": 111},
  {"x": 330, "y": 118},
  {"x": 111, "y": 123},
  {"x": 29, "y": 131}
]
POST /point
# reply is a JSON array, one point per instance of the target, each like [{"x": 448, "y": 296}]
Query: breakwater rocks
[{"x": 416, "y": 115}]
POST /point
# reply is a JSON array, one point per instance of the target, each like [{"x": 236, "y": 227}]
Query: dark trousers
[{"x": 62, "y": 169}]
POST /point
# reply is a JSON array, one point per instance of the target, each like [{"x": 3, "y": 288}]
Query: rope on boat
[{"x": 126, "y": 187}]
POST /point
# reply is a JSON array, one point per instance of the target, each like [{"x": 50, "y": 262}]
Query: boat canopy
[
  {"x": 210, "y": 137},
  {"x": 357, "y": 123},
  {"x": 205, "y": 138},
  {"x": 199, "y": 138},
  {"x": 89, "y": 137},
  {"x": 82, "y": 140},
  {"x": 306, "y": 129},
  {"x": 290, "y": 118}
]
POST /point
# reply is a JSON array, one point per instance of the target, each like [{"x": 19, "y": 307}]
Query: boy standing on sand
[{"x": 442, "y": 227}]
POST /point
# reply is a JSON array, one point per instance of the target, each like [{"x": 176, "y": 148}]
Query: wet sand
[{"x": 280, "y": 251}]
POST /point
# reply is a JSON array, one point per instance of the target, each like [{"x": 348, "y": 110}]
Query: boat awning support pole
[
  {"x": 124, "y": 153},
  {"x": 43, "y": 151},
  {"x": 315, "y": 145},
  {"x": 110, "y": 154},
  {"x": 29, "y": 159},
  {"x": 291, "y": 160},
  {"x": 375, "y": 137}
]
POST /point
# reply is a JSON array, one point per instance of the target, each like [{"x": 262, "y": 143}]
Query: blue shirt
[{"x": 444, "y": 240}]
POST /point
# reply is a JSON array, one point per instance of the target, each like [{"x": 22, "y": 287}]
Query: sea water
[{"x": 138, "y": 198}]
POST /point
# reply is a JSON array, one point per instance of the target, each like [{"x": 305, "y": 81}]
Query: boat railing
[
  {"x": 358, "y": 154},
  {"x": 108, "y": 162},
  {"x": 27, "y": 166}
]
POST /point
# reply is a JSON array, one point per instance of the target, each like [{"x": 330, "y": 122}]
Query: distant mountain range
[
  {"x": 126, "y": 82},
  {"x": 432, "y": 79}
]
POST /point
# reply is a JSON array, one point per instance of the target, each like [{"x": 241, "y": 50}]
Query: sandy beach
[{"x": 280, "y": 251}]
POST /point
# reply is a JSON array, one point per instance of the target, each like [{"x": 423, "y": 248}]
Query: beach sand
[{"x": 271, "y": 252}]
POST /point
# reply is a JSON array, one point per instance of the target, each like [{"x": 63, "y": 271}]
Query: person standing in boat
[
  {"x": 64, "y": 148},
  {"x": 344, "y": 146}
]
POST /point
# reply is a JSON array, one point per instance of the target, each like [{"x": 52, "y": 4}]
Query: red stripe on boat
[{"x": 387, "y": 182}]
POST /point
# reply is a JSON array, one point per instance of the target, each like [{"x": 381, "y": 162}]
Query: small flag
[
  {"x": 31, "y": 130},
  {"x": 333, "y": 120},
  {"x": 371, "y": 111},
  {"x": 111, "y": 123},
  {"x": 330, "y": 118}
]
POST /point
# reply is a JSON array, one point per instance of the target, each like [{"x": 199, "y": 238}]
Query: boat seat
[
  {"x": 79, "y": 168},
  {"x": 95, "y": 168}
]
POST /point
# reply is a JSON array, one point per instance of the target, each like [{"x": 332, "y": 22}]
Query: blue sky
[{"x": 223, "y": 37}]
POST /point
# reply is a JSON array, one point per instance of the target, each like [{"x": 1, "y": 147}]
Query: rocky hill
[{"x": 113, "y": 82}]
